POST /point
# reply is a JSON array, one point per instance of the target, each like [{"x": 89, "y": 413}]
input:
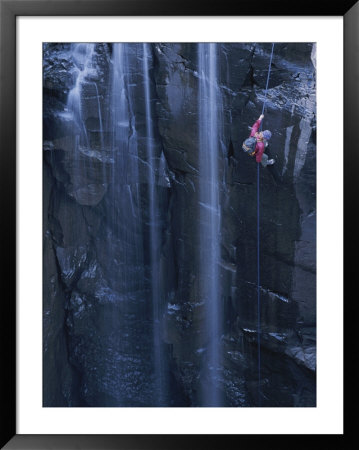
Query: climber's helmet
[{"x": 266, "y": 135}]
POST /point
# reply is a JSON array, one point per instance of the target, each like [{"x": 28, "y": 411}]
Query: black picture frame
[{"x": 9, "y": 10}]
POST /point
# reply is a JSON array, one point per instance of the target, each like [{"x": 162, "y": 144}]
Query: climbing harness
[{"x": 258, "y": 247}]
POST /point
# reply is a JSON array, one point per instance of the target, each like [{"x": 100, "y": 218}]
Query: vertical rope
[
  {"x": 258, "y": 296},
  {"x": 258, "y": 248},
  {"x": 268, "y": 76}
]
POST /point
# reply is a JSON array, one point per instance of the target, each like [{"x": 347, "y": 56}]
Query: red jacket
[{"x": 259, "y": 150}]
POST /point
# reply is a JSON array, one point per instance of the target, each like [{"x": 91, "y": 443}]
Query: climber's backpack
[{"x": 249, "y": 145}]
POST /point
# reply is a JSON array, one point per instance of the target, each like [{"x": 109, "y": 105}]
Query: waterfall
[
  {"x": 84, "y": 71},
  {"x": 154, "y": 235},
  {"x": 108, "y": 131},
  {"x": 82, "y": 55},
  {"x": 210, "y": 216},
  {"x": 88, "y": 141},
  {"x": 124, "y": 186},
  {"x": 120, "y": 108},
  {"x": 129, "y": 214},
  {"x": 122, "y": 220}
]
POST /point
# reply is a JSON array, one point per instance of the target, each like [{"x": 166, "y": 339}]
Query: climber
[{"x": 256, "y": 147}]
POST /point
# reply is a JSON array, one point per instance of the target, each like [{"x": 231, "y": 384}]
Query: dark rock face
[{"x": 107, "y": 340}]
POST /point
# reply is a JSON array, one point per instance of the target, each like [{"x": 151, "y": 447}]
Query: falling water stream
[
  {"x": 124, "y": 209},
  {"x": 210, "y": 216},
  {"x": 154, "y": 227},
  {"x": 82, "y": 55}
]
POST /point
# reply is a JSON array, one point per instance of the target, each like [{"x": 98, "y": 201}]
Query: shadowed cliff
[{"x": 122, "y": 213}]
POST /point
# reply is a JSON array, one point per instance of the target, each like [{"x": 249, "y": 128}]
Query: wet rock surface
[{"x": 100, "y": 336}]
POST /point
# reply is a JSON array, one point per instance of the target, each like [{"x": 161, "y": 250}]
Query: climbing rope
[
  {"x": 268, "y": 76},
  {"x": 258, "y": 247}
]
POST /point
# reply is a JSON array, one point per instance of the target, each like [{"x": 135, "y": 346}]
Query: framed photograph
[{"x": 174, "y": 185}]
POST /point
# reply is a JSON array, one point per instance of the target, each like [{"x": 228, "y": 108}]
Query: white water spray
[{"x": 210, "y": 216}]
